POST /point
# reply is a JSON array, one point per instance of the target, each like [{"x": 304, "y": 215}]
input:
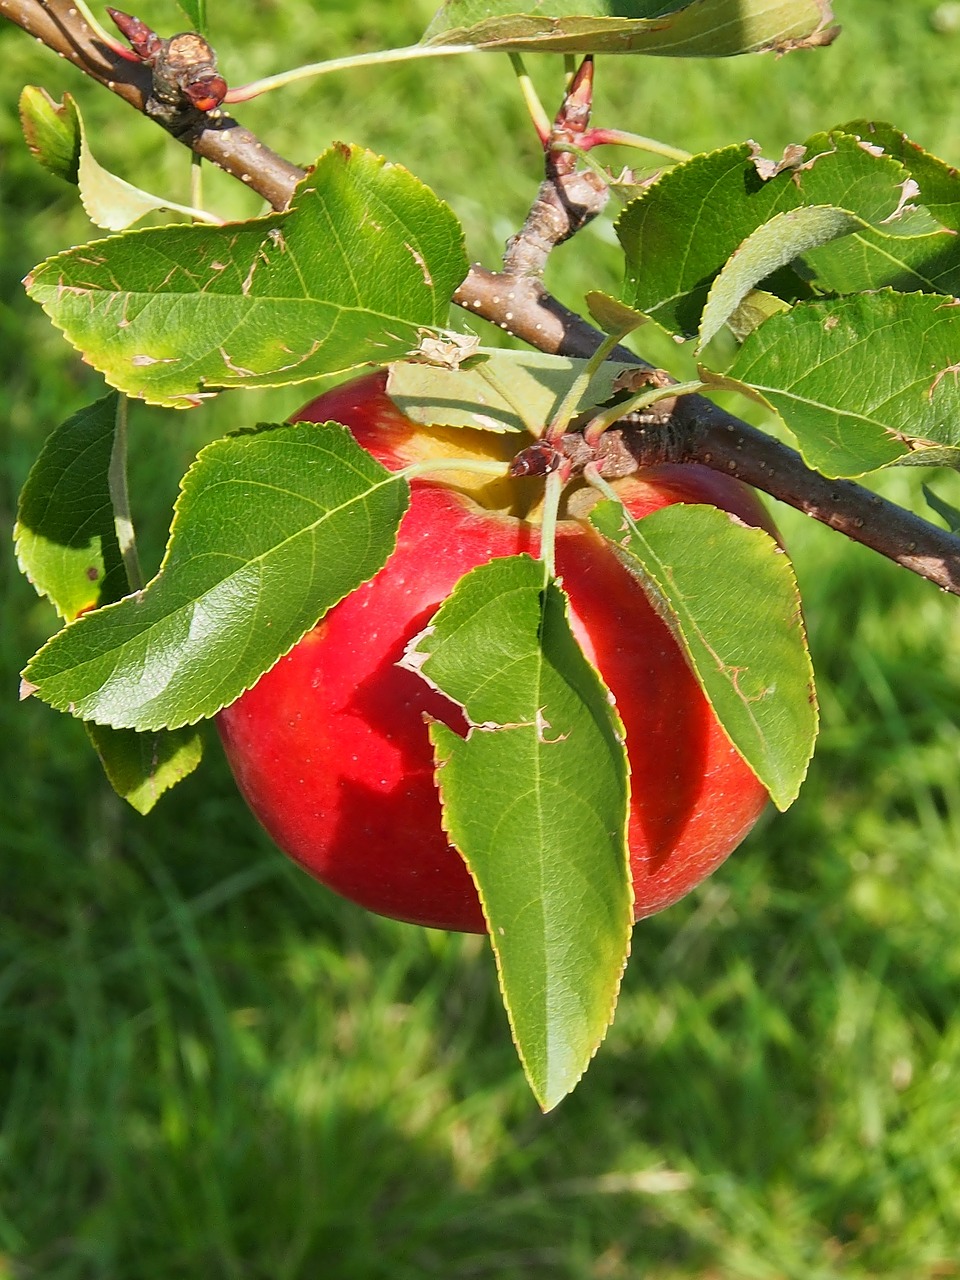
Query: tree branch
[{"x": 685, "y": 429}]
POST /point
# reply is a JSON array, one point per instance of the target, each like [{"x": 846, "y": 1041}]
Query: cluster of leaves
[{"x": 833, "y": 270}]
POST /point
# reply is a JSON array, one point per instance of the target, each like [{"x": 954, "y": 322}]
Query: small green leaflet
[
  {"x": 56, "y": 136},
  {"x": 946, "y": 510},
  {"x": 495, "y": 390},
  {"x": 67, "y": 547},
  {"x": 535, "y": 798},
  {"x": 684, "y": 28},
  {"x": 142, "y": 766},
  {"x": 730, "y": 596},
  {"x": 365, "y": 257},
  {"x": 857, "y": 380},
  {"x": 271, "y": 529}
]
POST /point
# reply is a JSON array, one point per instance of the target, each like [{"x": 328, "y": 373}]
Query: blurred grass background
[{"x": 210, "y": 1066}]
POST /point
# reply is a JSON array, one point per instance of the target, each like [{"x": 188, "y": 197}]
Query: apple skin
[{"x": 330, "y": 748}]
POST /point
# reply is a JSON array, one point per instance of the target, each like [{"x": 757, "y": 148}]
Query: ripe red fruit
[{"x": 330, "y": 748}]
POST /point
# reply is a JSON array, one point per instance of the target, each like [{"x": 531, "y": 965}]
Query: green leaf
[
  {"x": 946, "y": 510},
  {"x": 683, "y": 29},
  {"x": 271, "y": 529},
  {"x": 66, "y": 541},
  {"x": 52, "y": 131},
  {"x": 938, "y": 182},
  {"x": 785, "y": 237},
  {"x": 196, "y": 11},
  {"x": 67, "y": 546},
  {"x": 730, "y": 596},
  {"x": 854, "y": 378},
  {"x": 535, "y": 798},
  {"x": 365, "y": 257},
  {"x": 496, "y": 391},
  {"x": 683, "y": 229},
  {"x": 55, "y": 134},
  {"x": 142, "y": 766}
]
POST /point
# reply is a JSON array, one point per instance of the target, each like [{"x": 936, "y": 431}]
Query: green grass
[{"x": 211, "y": 1067}]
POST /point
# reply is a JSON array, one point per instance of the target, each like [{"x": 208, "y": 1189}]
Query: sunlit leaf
[
  {"x": 365, "y": 257},
  {"x": 272, "y": 528},
  {"x": 856, "y": 379},
  {"x": 730, "y": 596},
  {"x": 535, "y": 798}
]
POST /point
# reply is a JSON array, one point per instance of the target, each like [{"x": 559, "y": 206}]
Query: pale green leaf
[
  {"x": 730, "y": 596},
  {"x": 497, "y": 390},
  {"x": 365, "y": 257},
  {"x": 535, "y": 798},
  {"x": 272, "y": 528},
  {"x": 682, "y": 29},
  {"x": 773, "y": 245}
]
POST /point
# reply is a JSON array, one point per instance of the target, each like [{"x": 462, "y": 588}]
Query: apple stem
[
  {"x": 478, "y": 466},
  {"x": 120, "y": 498},
  {"x": 553, "y": 491},
  {"x": 591, "y": 473}
]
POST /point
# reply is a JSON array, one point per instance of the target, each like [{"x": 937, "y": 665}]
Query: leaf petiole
[
  {"x": 377, "y": 58},
  {"x": 538, "y": 113},
  {"x": 574, "y": 394},
  {"x": 477, "y": 466},
  {"x": 598, "y": 424},
  {"x": 120, "y": 498},
  {"x": 548, "y": 525}
]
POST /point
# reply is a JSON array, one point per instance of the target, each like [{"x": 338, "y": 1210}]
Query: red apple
[{"x": 330, "y": 747}]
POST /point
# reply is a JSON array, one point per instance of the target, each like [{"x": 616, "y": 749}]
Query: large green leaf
[
  {"x": 364, "y": 258},
  {"x": 858, "y": 379},
  {"x": 730, "y": 596},
  {"x": 681, "y": 29},
  {"x": 679, "y": 234},
  {"x": 535, "y": 798},
  {"x": 272, "y": 528}
]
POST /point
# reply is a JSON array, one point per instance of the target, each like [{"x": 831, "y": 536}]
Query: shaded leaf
[
  {"x": 685, "y": 28},
  {"x": 855, "y": 378},
  {"x": 535, "y": 798},
  {"x": 938, "y": 182},
  {"x": 65, "y": 537},
  {"x": 196, "y": 11},
  {"x": 730, "y": 596},
  {"x": 271, "y": 529},
  {"x": 141, "y": 767},
  {"x": 364, "y": 258},
  {"x": 948, "y": 512},
  {"x": 67, "y": 546}
]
